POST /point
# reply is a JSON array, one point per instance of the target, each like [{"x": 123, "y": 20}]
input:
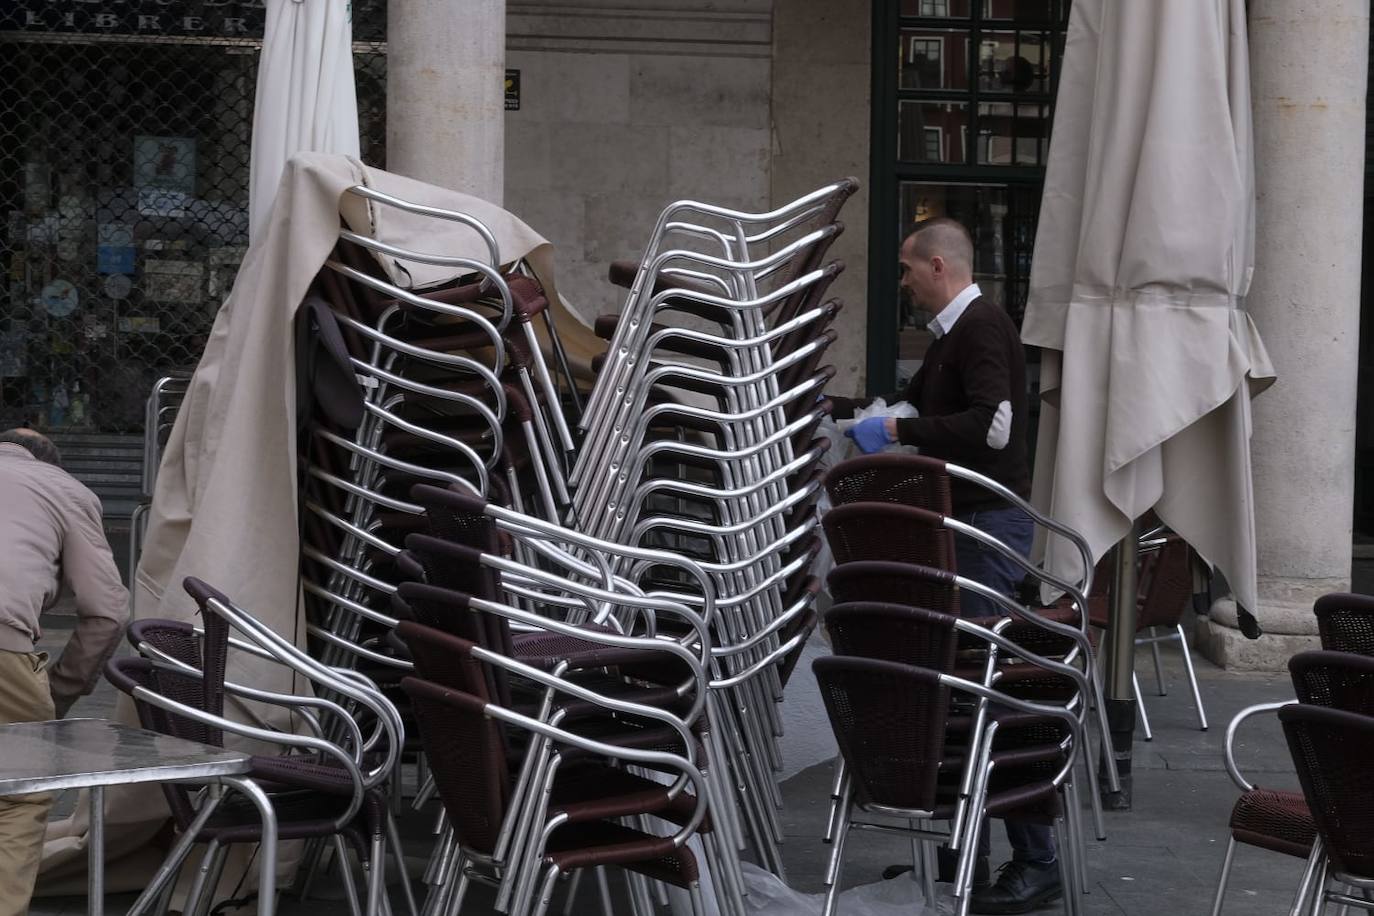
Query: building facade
[{"x": 124, "y": 134}]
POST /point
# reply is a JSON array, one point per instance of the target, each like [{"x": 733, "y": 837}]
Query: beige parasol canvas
[
  {"x": 1143, "y": 258},
  {"x": 305, "y": 98}
]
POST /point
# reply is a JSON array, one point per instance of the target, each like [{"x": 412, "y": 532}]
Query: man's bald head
[
  {"x": 936, "y": 263},
  {"x": 946, "y": 238},
  {"x": 39, "y": 445}
]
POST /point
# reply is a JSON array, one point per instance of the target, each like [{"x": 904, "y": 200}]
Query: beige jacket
[{"x": 51, "y": 540}]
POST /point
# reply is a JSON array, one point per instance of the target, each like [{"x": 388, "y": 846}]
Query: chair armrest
[{"x": 1232, "y": 768}]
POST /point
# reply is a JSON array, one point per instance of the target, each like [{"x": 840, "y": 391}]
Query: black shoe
[
  {"x": 948, "y": 860},
  {"x": 1021, "y": 887}
]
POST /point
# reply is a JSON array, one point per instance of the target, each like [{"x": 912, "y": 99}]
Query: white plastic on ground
[{"x": 900, "y": 896}]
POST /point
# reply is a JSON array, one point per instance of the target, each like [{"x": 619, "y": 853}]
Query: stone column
[
  {"x": 445, "y": 93},
  {"x": 1308, "y": 65}
]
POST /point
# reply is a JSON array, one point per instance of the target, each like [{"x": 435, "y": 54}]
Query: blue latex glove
[{"x": 870, "y": 435}]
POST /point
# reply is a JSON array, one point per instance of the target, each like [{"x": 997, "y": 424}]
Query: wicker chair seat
[{"x": 1275, "y": 820}]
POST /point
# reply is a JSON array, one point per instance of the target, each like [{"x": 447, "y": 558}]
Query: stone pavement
[{"x": 1161, "y": 857}]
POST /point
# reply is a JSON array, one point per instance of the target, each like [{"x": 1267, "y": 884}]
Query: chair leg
[
  {"x": 1140, "y": 707},
  {"x": 836, "y": 869},
  {"x": 1316, "y": 865},
  {"x": 836, "y": 784},
  {"x": 1159, "y": 668},
  {"x": 455, "y": 901},
  {"x": 546, "y": 891},
  {"x": 929, "y": 870},
  {"x": 1192, "y": 677},
  {"x": 203, "y": 870},
  {"x": 394, "y": 841},
  {"x": 376, "y": 876},
  {"x": 1225, "y": 872},
  {"x": 1080, "y": 841},
  {"x": 346, "y": 876},
  {"x": 1067, "y": 879}
]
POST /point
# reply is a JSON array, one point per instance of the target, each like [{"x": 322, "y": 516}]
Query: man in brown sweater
[
  {"x": 51, "y": 542},
  {"x": 970, "y": 394}
]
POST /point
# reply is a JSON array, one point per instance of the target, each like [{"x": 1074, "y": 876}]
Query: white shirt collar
[{"x": 943, "y": 323}]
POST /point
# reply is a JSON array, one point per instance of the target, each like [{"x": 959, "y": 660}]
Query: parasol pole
[{"x": 1120, "y": 652}]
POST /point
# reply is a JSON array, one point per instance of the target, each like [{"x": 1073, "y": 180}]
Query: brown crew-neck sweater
[{"x": 971, "y": 396}]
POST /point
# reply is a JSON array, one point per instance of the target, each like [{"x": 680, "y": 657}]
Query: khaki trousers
[{"x": 24, "y": 697}]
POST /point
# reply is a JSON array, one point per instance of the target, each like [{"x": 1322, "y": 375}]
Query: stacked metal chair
[
  {"x": 571, "y": 665},
  {"x": 696, "y": 446},
  {"x": 699, "y": 437},
  {"x": 893, "y": 541},
  {"x": 159, "y": 413}
]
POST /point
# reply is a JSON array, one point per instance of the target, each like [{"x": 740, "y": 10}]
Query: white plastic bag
[
  {"x": 843, "y": 448},
  {"x": 901, "y": 896}
]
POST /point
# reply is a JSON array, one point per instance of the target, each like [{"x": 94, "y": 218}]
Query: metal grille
[{"x": 124, "y": 191}]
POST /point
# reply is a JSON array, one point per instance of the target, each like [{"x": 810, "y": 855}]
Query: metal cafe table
[{"x": 95, "y": 753}]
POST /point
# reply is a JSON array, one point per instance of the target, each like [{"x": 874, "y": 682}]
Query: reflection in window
[
  {"x": 924, "y": 64},
  {"x": 1014, "y": 61},
  {"x": 932, "y": 132},
  {"x": 1013, "y": 134},
  {"x": 936, "y": 9},
  {"x": 1024, "y": 10},
  {"x": 934, "y": 59}
]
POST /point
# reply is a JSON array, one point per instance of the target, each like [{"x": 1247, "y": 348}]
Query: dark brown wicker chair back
[
  {"x": 895, "y": 583},
  {"x": 1169, "y": 585},
  {"x": 1346, "y": 622},
  {"x": 467, "y": 756},
  {"x": 448, "y": 612},
  {"x": 130, "y": 672},
  {"x": 1331, "y": 749},
  {"x": 178, "y": 639},
  {"x": 889, "y": 721},
  {"x": 911, "y": 480},
  {"x": 893, "y": 632},
  {"x": 1338, "y": 680},
  {"x": 466, "y": 750},
  {"x": 889, "y": 532}
]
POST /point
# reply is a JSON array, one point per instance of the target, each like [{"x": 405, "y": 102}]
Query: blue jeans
[{"x": 1029, "y": 842}]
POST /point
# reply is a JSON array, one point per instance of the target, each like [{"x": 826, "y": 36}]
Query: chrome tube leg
[
  {"x": 574, "y": 885},
  {"x": 161, "y": 884},
  {"x": 1074, "y": 815},
  {"x": 346, "y": 876},
  {"x": 929, "y": 869},
  {"x": 267, "y": 851},
  {"x": 603, "y": 887},
  {"x": 1192, "y": 677},
  {"x": 1225, "y": 876},
  {"x": 546, "y": 892},
  {"x": 1140, "y": 707},
  {"x": 1100, "y": 702},
  {"x": 1159, "y": 667},
  {"x": 1067, "y": 879},
  {"x": 1315, "y": 863},
  {"x": 1094, "y": 788},
  {"x": 836, "y": 785},
  {"x": 376, "y": 875},
  {"x": 198, "y": 887},
  {"x": 398, "y": 852},
  {"x": 836, "y": 869}
]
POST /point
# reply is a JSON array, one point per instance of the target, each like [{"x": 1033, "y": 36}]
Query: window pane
[
  {"x": 934, "y": 59},
  {"x": 939, "y": 9},
  {"x": 1013, "y": 134},
  {"x": 932, "y": 132},
  {"x": 1014, "y": 61}
]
